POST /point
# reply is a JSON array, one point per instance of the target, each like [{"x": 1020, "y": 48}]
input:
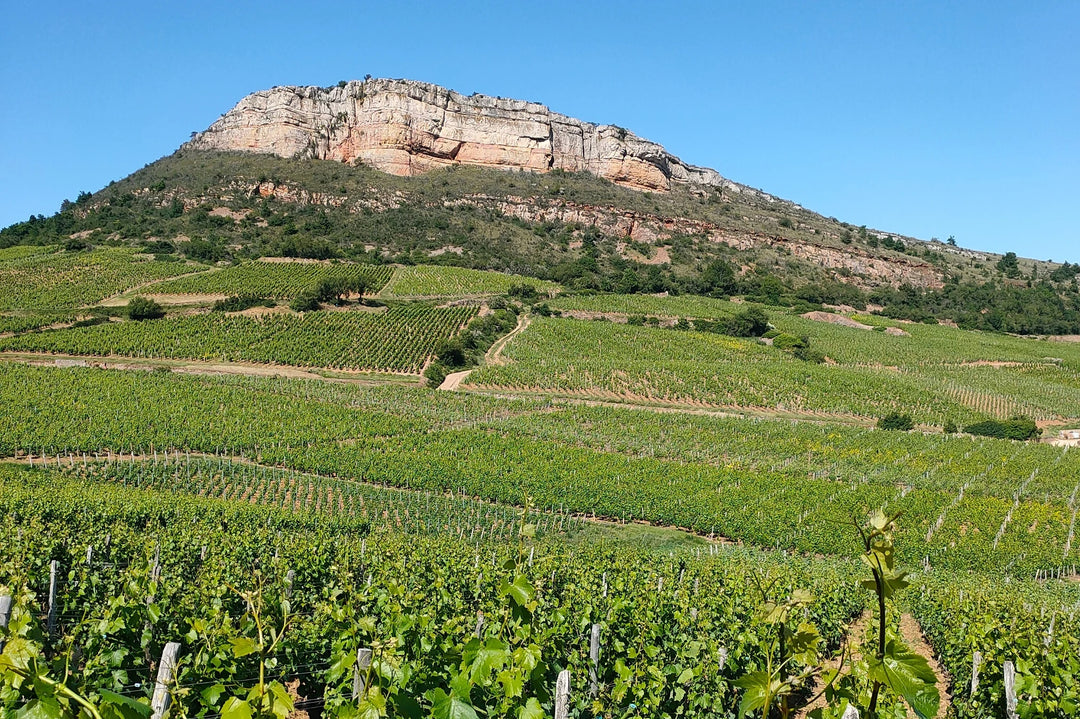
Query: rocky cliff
[{"x": 406, "y": 128}]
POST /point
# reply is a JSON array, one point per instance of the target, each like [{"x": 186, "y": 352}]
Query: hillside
[
  {"x": 377, "y": 187},
  {"x": 515, "y": 430}
]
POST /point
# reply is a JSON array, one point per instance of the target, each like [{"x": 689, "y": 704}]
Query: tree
[
  {"x": 897, "y": 421},
  {"x": 144, "y": 308},
  {"x": 718, "y": 279},
  {"x": 1009, "y": 266},
  {"x": 751, "y": 322}
]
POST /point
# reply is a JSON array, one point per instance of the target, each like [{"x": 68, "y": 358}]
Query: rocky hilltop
[{"x": 407, "y": 128}]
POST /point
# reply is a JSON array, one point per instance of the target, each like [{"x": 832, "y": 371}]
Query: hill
[
  {"x": 513, "y": 427},
  {"x": 364, "y": 171}
]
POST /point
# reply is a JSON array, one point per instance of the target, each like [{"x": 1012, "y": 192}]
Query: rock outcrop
[{"x": 406, "y": 128}]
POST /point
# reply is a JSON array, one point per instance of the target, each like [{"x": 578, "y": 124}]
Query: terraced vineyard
[
  {"x": 400, "y": 339},
  {"x": 277, "y": 280},
  {"x": 50, "y": 281},
  {"x": 439, "y": 281},
  {"x": 610, "y": 361}
]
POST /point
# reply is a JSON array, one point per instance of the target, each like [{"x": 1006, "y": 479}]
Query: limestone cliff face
[{"x": 406, "y": 128}]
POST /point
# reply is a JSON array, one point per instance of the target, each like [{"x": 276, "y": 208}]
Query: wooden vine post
[
  {"x": 562, "y": 695},
  {"x": 594, "y": 661},
  {"x": 976, "y": 661},
  {"x": 1010, "y": 690},
  {"x": 359, "y": 681},
  {"x": 5, "y": 614},
  {"x": 166, "y": 671},
  {"x": 51, "y": 621}
]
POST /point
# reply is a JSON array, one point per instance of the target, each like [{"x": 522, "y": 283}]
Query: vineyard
[
  {"x": 968, "y": 504},
  {"x": 251, "y": 546},
  {"x": 610, "y": 361},
  {"x": 438, "y": 281},
  {"x": 47, "y": 282},
  {"x": 490, "y": 624},
  {"x": 400, "y": 339},
  {"x": 276, "y": 280}
]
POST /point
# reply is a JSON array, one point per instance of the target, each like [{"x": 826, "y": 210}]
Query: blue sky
[{"x": 924, "y": 118}]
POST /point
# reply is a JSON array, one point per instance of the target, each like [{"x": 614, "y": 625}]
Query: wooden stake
[
  {"x": 166, "y": 668},
  {"x": 5, "y": 614},
  {"x": 562, "y": 695},
  {"x": 363, "y": 662},
  {"x": 1010, "y": 691},
  {"x": 594, "y": 661},
  {"x": 976, "y": 660},
  {"x": 52, "y": 597}
]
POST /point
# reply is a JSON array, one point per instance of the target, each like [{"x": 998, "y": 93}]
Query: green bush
[
  {"x": 896, "y": 421},
  {"x": 751, "y": 322},
  {"x": 305, "y": 302},
  {"x": 1019, "y": 428},
  {"x": 143, "y": 308},
  {"x": 787, "y": 342},
  {"x": 809, "y": 355}
]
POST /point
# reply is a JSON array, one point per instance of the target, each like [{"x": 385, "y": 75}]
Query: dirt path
[
  {"x": 914, "y": 638},
  {"x": 912, "y": 635},
  {"x": 44, "y": 359},
  {"x": 453, "y": 380},
  {"x": 494, "y": 353},
  {"x": 121, "y": 298},
  {"x": 849, "y": 651}
]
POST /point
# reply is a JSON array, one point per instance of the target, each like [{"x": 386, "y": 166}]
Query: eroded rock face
[{"x": 406, "y": 128}]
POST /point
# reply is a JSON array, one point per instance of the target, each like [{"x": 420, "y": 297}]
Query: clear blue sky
[{"x": 924, "y": 118}]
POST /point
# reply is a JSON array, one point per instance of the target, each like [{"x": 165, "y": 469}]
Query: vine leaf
[
  {"x": 759, "y": 688},
  {"x": 117, "y": 706},
  {"x": 449, "y": 706},
  {"x": 909, "y": 675}
]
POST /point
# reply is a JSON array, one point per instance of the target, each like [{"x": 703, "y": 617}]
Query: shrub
[
  {"x": 1019, "y": 428},
  {"x": 435, "y": 374},
  {"x": 143, "y": 308},
  {"x": 451, "y": 353},
  {"x": 239, "y": 303},
  {"x": 950, "y": 427},
  {"x": 304, "y": 303},
  {"x": 809, "y": 355},
  {"x": 751, "y": 322},
  {"x": 784, "y": 341},
  {"x": 522, "y": 291},
  {"x": 896, "y": 421}
]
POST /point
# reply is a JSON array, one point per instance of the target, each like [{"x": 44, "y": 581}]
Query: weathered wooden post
[
  {"x": 5, "y": 614},
  {"x": 479, "y": 625},
  {"x": 594, "y": 661},
  {"x": 976, "y": 661},
  {"x": 359, "y": 680},
  {"x": 562, "y": 695},
  {"x": 166, "y": 669},
  {"x": 721, "y": 658},
  {"x": 1010, "y": 691},
  {"x": 51, "y": 622},
  {"x": 851, "y": 712},
  {"x": 290, "y": 576},
  {"x": 89, "y": 554}
]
